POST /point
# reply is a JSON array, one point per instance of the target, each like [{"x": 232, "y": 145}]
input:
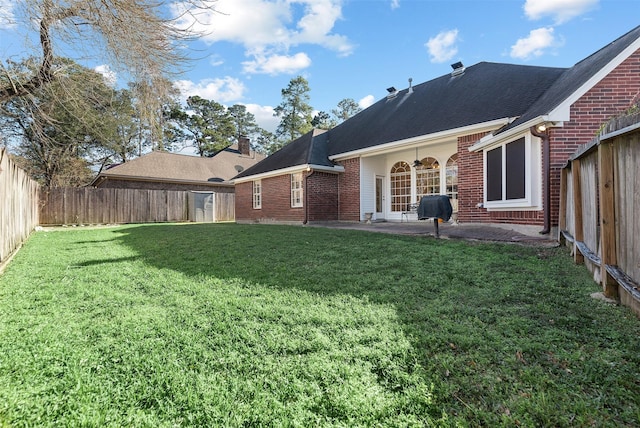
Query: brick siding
[
  {"x": 322, "y": 196},
  {"x": 470, "y": 181},
  {"x": 349, "y": 190},
  {"x": 276, "y": 202}
]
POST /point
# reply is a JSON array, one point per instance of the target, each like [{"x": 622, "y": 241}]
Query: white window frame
[
  {"x": 257, "y": 194},
  {"x": 297, "y": 190},
  {"x": 532, "y": 176}
]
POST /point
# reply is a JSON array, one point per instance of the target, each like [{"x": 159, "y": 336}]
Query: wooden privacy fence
[
  {"x": 600, "y": 209},
  {"x": 18, "y": 206},
  {"x": 89, "y": 205}
]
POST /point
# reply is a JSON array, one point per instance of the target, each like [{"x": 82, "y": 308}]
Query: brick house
[
  {"x": 161, "y": 170},
  {"x": 491, "y": 136}
]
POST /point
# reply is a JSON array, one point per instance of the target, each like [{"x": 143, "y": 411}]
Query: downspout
[
  {"x": 306, "y": 196},
  {"x": 546, "y": 173}
]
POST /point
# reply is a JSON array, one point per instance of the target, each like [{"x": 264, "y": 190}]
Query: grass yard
[{"x": 232, "y": 325}]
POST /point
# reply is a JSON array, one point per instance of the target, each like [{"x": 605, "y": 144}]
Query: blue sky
[{"x": 358, "y": 48}]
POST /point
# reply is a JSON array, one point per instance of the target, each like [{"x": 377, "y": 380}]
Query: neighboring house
[
  {"x": 160, "y": 170},
  {"x": 475, "y": 134}
]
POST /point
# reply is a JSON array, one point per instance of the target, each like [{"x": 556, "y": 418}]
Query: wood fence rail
[
  {"x": 599, "y": 206},
  {"x": 18, "y": 206}
]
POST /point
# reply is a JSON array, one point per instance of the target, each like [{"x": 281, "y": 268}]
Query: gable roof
[
  {"x": 309, "y": 149},
  {"x": 172, "y": 167}
]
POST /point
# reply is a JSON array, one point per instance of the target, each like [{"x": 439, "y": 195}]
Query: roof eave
[
  {"x": 103, "y": 177},
  {"x": 290, "y": 170},
  {"x": 491, "y": 140},
  {"x": 433, "y": 138}
]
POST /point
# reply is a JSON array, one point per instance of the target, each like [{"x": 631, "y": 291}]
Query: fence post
[
  {"x": 607, "y": 218},
  {"x": 577, "y": 211},
  {"x": 562, "y": 213}
]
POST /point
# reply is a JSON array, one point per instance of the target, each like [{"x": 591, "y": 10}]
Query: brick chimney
[{"x": 243, "y": 146}]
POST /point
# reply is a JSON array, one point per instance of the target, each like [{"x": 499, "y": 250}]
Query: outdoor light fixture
[
  {"x": 417, "y": 162},
  {"x": 542, "y": 127}
]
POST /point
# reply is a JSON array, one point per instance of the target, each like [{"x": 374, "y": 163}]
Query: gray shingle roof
[
  {"x": 165, "y": 166},
  {"x": 484, "y": 93},
  {"x": 309, "y": 149}
]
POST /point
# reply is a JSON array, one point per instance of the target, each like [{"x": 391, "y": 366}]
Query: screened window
[
  {"x": 400, "y": 186},
  {"x": 257, "y": 194},
  {"x": 505, "y": 171},
  {"x": 427, "y": 178},
  {"x": 296, "y": 190},
  {"x": 452, "y": 181}
]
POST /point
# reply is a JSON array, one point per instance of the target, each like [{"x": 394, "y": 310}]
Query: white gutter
[
  {"x": 422, "y": 139},
  {"x": 290, "y": 170}
]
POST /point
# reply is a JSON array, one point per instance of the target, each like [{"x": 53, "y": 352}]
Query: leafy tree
[
  {"x": 244, "y": 121},
  {"x": 266, "y": 142},
  {"x": 121, "y": 140},
  {"x": 346, "y": 108},
  {"x": 294, "y": 111},
  {"x": 173, "y": 135},
  {"x": 58, "y": 125},
  {"x": 208, "y": 123},
  {"x": 322, "y": 120}
]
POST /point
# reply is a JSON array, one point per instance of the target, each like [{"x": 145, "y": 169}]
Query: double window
[{"x": 512, "y": 175}]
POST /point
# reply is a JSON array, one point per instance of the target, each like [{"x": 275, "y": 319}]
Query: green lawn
[{"x": 231, "y": 325}]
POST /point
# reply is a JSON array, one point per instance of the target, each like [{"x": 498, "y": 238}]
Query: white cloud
[
  {"x": 269, "y": 25},
  {"x": 395, "y": 4},
  {"x": 443, "y": 46},
  {"x": 223, "y": 90},
  {"x": 110, "y": 76},
  {"x": 535, "y": 44},
  {"x": 276, "y": 64},
  {"x": 560, "y": 10},
  {"x": 366, "y": 101},
  {"x": 264, "y": 116},
  {"x": 7, "y": 17}
]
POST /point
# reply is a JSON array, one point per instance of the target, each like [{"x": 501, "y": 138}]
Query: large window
[
  {"x": 257, "y": 194},
  {"x": 512, "y": 175},
  {"x": 296, "y": 190},
  {"x": 400, "y": 186},
  {"x": 427, "y": 178},
  {"x": 452, "y": 181}
]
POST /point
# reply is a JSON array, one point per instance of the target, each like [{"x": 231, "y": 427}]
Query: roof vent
[
  {"x": 458, "y": 69},
  {"x": 410, "y": 86},
  {"x": 392, "y": 92}
]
